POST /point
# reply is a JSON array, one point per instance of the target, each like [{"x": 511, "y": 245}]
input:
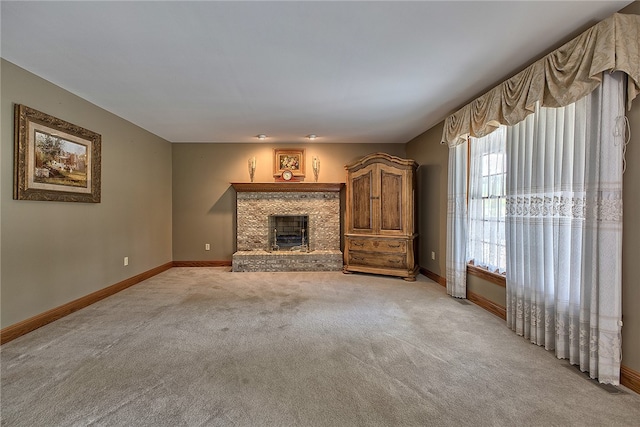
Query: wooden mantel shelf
[{"x": 286, "y": 187}]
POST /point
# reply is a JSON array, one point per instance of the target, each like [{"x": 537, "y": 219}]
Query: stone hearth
[{"x": 255, "y": 202}]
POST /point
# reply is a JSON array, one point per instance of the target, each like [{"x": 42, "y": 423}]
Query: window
[{"x": 487, "y": 202}]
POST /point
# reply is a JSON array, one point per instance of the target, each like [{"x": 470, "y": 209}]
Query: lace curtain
[
  {"x": 564, "y": 225},
  {"x": 456, "y": 263},
  {"x": 564, "y": 230}
]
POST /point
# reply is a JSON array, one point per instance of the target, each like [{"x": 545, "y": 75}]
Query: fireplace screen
[{"x": 289, "y": 233}]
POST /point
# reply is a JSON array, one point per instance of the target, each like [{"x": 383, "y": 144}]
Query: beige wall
[
  {"x": 54, "y": 252},
  {"x": 432, "y": 197},
  {"x": 433, "y": 157},
  {"x": 204, "y": 202}
]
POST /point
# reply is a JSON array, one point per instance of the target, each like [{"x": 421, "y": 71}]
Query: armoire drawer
[
  {"x": 378, "y": 245},
  {"x": 377, "y": 259}
]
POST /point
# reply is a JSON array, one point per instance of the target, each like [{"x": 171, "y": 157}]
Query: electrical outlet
[
  {"x": 126, "y": 260},
  {"x": 207, "y": 247},
  {"x": 433, "y": 255}
]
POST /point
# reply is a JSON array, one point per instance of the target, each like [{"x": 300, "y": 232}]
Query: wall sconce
[
  {"x": 252, "y": 168},
  {"x": 316, "y": 167},
  {"x": 262, "y": 137}
]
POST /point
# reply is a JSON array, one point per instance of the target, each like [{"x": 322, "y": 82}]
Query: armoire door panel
[
  {"x": 390, "y": 201},
  {"x": 361, "y": 199}
]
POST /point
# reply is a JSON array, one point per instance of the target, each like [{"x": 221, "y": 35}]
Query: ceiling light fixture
[
  {"x": 262, "y": 136},
  {"x": 312, "y": 136}
]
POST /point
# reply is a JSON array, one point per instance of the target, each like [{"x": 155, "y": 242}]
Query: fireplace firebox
[{"x": 289, "y": 233}]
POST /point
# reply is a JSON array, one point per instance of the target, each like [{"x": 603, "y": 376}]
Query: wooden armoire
[{"x": 381, "y": 222}]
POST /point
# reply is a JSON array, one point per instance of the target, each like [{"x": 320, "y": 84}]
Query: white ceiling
[{"x": 363, "y": 72}]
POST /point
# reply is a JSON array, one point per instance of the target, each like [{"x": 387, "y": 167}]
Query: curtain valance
[{"x": 556, "y": 80}]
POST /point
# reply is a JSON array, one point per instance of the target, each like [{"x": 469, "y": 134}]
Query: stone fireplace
[{"x": 270, "y": 221}]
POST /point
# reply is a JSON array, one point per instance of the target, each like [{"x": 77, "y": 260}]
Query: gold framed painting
[
  {"x": 54, "y": 160},
  {"x": 288, "y": 160}
]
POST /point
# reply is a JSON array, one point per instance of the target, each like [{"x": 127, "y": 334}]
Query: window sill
[{"x": 485, "y": 274}]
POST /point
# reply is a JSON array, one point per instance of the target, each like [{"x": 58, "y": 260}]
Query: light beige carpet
[{"x": 207, "y": 347}]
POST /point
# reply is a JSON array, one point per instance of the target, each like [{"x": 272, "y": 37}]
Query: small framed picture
[
  {"x": 54, "y": 160},
  {"x": 288, "y": 160}
]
